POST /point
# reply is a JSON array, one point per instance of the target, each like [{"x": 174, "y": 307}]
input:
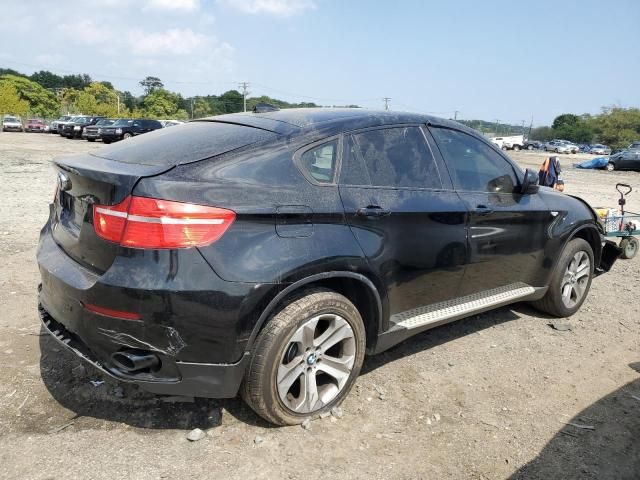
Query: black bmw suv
[
  {"x": 266, "y": 253},
  {"x": 124, "y": 128}
]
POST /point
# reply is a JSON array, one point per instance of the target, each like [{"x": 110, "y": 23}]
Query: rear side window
[
  {"x": 184, "y": 143},
  {"x": 474, "y": 165},
  {"x": 319, "y": 162},
  {"x": 394, "y": 157}
]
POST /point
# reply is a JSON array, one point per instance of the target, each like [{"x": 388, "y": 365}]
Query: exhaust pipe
[{"x": 133, "y": 361}]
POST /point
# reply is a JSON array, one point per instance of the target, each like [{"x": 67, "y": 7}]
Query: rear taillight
[{"x": 140, "y": 222}]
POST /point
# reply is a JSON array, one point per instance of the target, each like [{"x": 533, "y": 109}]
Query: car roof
[{"x": 328, "y": 120}]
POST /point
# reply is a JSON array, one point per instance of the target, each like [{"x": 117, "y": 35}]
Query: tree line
[{"x": 45, "y": 94}]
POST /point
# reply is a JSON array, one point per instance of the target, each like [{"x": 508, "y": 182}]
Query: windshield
[
  {"x": 10, "y": 119},
  {"x": 82, "y": 120},
  {"x": 104, "y": 121},
  {"x": 123, "y": 122}
]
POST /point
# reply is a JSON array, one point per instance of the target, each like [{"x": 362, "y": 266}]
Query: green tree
[
  {"x": 10, "y": 101},
  {"x": 47, "y": 79},
  {"x": 161, "y": 103},
  {"x": 77, "y": 81},
  {"x": 542, "y": 134},
  {"x": 150, "y": 84},
  {"x": 41, "y": 102},
  {"x": 230, "y": 101},
  {"x": 96, "y": 99}
]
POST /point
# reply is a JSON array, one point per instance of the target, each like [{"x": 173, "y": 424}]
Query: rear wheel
[
  {"x": 516, "y": 148},
  {"x": 570, "y": 282},
  {"x": 306, "y": 359},
  {"x": 530, "y": 147},
  {"x": 106, "y": 141},
  {"x": 629, "y": 247}
]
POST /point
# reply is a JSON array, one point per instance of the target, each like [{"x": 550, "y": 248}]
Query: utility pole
[
  {"x": 522, "y": 127},
  {"x": 455, "y": 114},
  {"x": 118, "y": 97},
  {"x": 497, "y": 125},
  {"x": 244, "y": 86},
  {"x": 530, "y": 127},
  {"x": 191, "y": 108},
  {"x": 386, "y": 102}
]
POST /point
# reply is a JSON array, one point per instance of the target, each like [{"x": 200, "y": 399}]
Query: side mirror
[{"x": 529, "y": 182}]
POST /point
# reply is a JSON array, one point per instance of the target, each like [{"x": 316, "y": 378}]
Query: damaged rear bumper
[{"x": 192, "y": 379}]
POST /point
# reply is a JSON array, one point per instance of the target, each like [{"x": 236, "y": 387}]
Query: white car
[{"x": 10, "y": 123}]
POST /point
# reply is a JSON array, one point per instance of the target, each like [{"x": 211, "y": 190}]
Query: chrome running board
[{"x": 442, "y": 312}]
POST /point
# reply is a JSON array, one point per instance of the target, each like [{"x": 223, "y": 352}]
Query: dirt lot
[{"x": 492, "y": 396}]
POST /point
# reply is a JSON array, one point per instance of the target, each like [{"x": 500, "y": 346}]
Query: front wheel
[
  {"x": 610, "y": 167},
  {"x": 126, "y": 135},
  {"x": 530, "y": 147},
  {"x": 570, "y": 281},
  {"x": 106, "y": 141},
  {"x": 306, "y": 359},
  {"x": 516, "y": 148},
  {"x": 629, "y": 247}
]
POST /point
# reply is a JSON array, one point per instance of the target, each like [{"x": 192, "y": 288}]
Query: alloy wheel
[
  {"x": 576, "y": 279},
  {"x": 316, "y": 363}
]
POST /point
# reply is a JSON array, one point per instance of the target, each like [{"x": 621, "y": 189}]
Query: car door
[
  {"x": 507, "y": 230},
  {"x": 628, "y": 160},
  {"x": 401, "y": 207}
]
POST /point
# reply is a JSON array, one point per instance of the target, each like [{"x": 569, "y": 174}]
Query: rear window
[{"x": 185, "y": 143}]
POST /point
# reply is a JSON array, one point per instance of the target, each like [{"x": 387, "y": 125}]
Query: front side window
[
  {"x": 320, "y": 162},
  {"x": 474, "y": 165},
  {"x": 397, "y": 157}
]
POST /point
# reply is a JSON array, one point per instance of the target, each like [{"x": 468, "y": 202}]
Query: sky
[{"x": 494, "y": 60}]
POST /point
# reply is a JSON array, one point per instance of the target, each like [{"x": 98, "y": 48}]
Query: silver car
[
  {"x": 557, "y": 146},
  {"x": 599, "y": 149},
  {"x": 10, "y": 123}
]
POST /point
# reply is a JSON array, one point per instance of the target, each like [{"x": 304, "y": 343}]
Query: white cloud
[
  {"x": 174, "y": 41},
  {"x": 186, "y": 5},
  {"x": 283, "y": 8},
  {"x": 86, "y": 32}
]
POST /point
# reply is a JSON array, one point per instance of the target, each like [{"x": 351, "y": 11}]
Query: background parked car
[
  {"x": 599, "y": 149},
  {"x": 625, "y": 160},
  {"x": 74, "y": 129},
  {"x": 557, "y": 146},
  {"x": 93, "y": 132},
  {"x": 61, "y": 125},
  {"x": 53, "y": 128},
  {"x": 128, "y": 127},
  {"x": 12, "y": 124},
  {"x": 533, "y": 145},
  {"x": 35, "y": 125},
  {"x": 170, "y": 123}
]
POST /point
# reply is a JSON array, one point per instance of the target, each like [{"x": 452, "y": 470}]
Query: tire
[
  {"x": 106, "y": 141},
  {"x": 529, "y": 147},
  {"x": 126, "y": 135},
  {"x": 516, "y": 148},
  {"x": 283, "y": 403},
  {"x": 503, "y": 148},
  {"x": 629, "y": 247},
  {"x": 610, "y": 167},
  {"x": 554, "y": 302},
  {"x": 91, "y": 139}
]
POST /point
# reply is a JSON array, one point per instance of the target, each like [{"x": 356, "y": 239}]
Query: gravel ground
[{"x": 498, "y": 395}]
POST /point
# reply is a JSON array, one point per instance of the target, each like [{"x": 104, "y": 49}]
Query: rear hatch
[{"x": 108, "y": 175}]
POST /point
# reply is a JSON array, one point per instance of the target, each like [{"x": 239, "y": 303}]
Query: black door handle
[
  {"x": 483, "y": 210},
  {"x": 372, "y": 211}
]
